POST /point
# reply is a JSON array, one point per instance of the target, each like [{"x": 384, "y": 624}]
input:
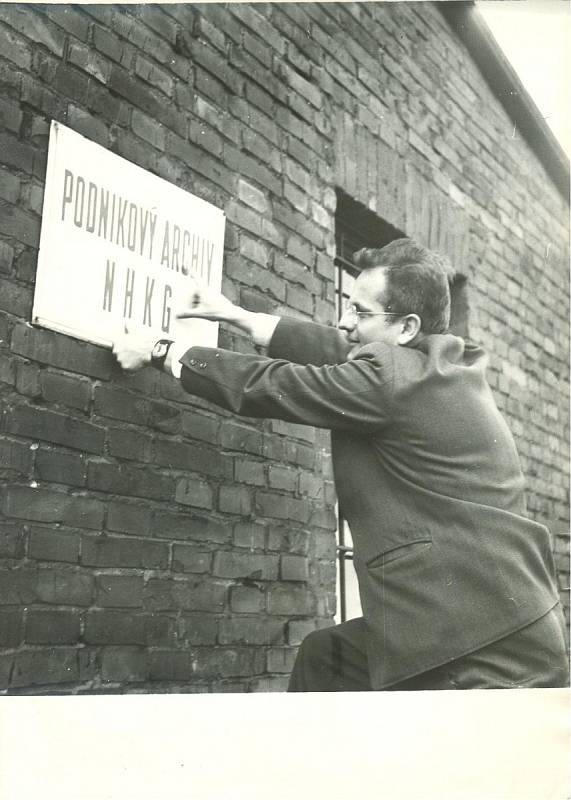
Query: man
[{"x": 457, "y": 586}]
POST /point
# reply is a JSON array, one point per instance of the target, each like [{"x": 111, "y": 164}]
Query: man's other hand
[
  {"x": 132, "y": 351},
  {"x": 204, "y": 303}
]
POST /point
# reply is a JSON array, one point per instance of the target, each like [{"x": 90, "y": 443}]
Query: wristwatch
[{"x": 160, "y": 352}]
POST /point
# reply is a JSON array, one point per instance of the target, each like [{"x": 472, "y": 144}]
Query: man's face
[{"x": 361, "y": 329}]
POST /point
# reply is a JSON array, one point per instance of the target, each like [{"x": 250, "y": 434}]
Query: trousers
[{"x": 335, "y": 660}]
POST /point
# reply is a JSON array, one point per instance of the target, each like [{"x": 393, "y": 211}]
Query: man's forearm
[{"x": 259, "y": 327}]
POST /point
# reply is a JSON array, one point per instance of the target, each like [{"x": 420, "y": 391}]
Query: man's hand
[
  {"x": 203, "y": 303},
  {"x": 132, "y": 351}
]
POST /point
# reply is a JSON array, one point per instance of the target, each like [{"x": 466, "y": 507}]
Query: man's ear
[{"x": 410, "y": 328}]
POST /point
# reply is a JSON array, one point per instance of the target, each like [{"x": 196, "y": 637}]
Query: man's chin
[{"x": 356, "y": 346}]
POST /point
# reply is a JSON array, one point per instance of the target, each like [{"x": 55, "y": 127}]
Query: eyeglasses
[{"x": 351, "y": 308}]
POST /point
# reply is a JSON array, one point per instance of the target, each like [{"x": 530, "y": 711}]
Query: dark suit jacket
[{"x": 427, "y": 476}]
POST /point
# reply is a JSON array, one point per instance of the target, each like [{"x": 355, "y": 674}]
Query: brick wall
[{"x": 150, "y": 542}]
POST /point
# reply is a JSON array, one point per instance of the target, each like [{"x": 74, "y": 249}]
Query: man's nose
[{"x": 347, "y": 321}]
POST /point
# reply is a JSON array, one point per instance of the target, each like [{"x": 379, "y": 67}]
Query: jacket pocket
[{"x": 400, "y": 551}]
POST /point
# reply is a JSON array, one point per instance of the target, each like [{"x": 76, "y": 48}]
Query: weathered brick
[
  {"x": 114, "y": 627},
  {"x": 170, "y": 665},
  {"x": 298, "y": 629},
  {"x": 52, "y": 627},
  {"x": 129, "y": 518},
  {"x": 270, "y": 504},
  {"x": 235, "y": 500},
  {"x": 194, "y": 492},
  {"x": 10, "y": 627},
  {"x": 15, "y": 456},
  {"x": 54, "y": 545},
  {"x": 128, "y": 480},
  {"x": 11, "y": 540},
  {"x": 44, "y": 667},
  {"x": 242, "y": 565},
  {"x": 58, "y": 466},
  {"x": 189, "y": 559},
  {"x": 38, "y": 423},
  {"x": 37, "y": 504},
  {"x": 190, "y": 527},
  {"x": 105, "y": 551},
  {"x": 119, "y": 591},
  {"x": 129, "y": 444},
  {"x": 239, "y": 630},
  {"x": 249, "y": 534},
  {"x": 66, "y": 588},
  {"x": 190, "y": 457},
  {"x": 124, "y": 664},
  {"x": 61, "y": 351},
  {"x": 198, "y": 629},
  {"x": 14, "y": 298},
  {"x": 294, "y": 568},
  {"x": 247, "y": 599},
  {"x": 235, "y": 436},
  {"x": 281, "y": 659},
  {"x": 190, "y": 594},
  {"x": 291, "y": 600},
  {"x": 249, "y": 472},
  {"x": 229, "y": 662}
]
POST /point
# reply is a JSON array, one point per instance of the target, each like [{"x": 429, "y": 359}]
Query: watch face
[{"x": 160, "y": 349}]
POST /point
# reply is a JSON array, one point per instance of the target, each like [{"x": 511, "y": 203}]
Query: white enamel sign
[{"x": 121, "y": 246}]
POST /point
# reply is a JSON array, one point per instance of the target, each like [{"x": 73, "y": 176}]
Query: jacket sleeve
[
  {"x": 355, "y": 395},
  {"x": 307, "y": 343}
]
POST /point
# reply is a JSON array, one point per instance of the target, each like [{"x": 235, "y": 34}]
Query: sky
[{"x": 535, "y": 35}]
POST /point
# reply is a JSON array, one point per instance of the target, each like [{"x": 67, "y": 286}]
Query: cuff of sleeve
[{"x": 178, "y": 349}]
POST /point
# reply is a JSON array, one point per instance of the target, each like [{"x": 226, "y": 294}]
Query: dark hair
[{"x": 417, "y": 281}]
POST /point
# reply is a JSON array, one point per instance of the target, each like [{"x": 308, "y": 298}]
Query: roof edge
[{"x": 504, "y": 82}]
